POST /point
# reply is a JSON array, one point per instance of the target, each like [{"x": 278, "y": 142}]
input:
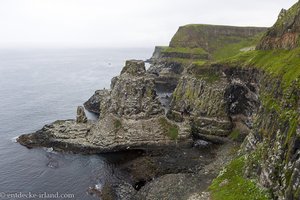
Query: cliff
[
  {"x": 199, "y": 43},
  {"x": 225, "y": 92},
  {"x": 215, "y": 39},
  {"x": 285, "y": 32}
]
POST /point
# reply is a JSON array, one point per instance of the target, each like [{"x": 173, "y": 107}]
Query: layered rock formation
[
  {"x": 131, "y": 116},
  {"x": 198, "y": 42},
  {"x": 216, "y": 99}
]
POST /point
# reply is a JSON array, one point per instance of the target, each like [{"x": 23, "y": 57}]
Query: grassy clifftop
[{"x": 218, "y": 41}]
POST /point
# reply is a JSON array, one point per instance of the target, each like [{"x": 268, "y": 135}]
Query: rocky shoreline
[
  {"x": 132, "y": 121},
  {"x": 207, "y": 120}
]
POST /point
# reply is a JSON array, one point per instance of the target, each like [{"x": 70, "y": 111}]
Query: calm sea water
[{"x": 38, "y": 87}]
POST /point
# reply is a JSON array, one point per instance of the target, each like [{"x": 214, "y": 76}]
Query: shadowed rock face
[
  {"x": 93, "y": 104},
  {"x": 285, "y": 32},
  {"x": 216, "y": 100}
]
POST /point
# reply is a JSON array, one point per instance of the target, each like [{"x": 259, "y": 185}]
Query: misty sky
[{"x": 121, "y": 23}]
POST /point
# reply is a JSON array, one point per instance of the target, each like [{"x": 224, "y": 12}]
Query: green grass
[
  {"x": 290, "y": 15},
  {"x": 171, "y": 130},
  {"x": 183, "y": 61},
  {"x": 231, "y": 185},
  {"x": 184, "y": 50},
  {"x": 284, "y": 64},
  {"x": 219, "y": 46},
  {"x": 235, "y": 134},
  {"x": 117, "y": 125}
]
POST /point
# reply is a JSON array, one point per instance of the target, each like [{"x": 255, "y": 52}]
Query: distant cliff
[{"x": 213, "y": 38}]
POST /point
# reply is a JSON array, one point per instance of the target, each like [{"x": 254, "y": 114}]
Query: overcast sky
[{"x": 121, "y": 23}]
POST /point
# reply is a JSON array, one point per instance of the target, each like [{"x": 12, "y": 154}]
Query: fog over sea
[{"x": 39, "y": 86}]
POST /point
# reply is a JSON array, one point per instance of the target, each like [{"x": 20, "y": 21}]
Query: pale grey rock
[{"x": 81, "y": 117}]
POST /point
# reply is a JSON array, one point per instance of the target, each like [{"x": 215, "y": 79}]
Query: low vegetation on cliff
[{"x": 231, "y": 184}]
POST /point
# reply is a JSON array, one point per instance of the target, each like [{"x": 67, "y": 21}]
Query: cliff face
[
  {"x": 272, "y": 147},
  {"x": 285, "y": 32},
  {"x": 199, "y": 43},
  {"x": 212, "y": 37}
]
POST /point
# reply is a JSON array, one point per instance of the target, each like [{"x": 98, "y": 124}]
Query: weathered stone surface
[
  {"x": 285, "y": 33},
  {"x": 216, "y": 99},
  {"x": 174, "y": 186},
  {"x": 81, "y": 117},
  {"x": 131, "y": 116},
  {"x": 132, "y": 97},
  {"x": 93, "y": 104},
  {"x": 65, "y": 135},
  {"x": 272, "y": 147},
  {"x": 134, "y": 67}
]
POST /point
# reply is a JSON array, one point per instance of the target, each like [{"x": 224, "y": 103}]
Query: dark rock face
[
  {"x": 285, "y": 33},
  {"x": 166, "y": 75},
  {"x": 216, "y": 100},
  {"x": 93, "y": 104},
  {"x": 272, "y": 145}
]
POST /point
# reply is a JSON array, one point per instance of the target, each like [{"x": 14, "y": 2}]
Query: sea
[{"x": 37, "y": 87}]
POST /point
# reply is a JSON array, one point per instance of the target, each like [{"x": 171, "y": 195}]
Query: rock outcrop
[
  {"x": 285, "y": 32},
  {"x": 216, "y": 99},
  {"x": 93, "y": 104},
  {"x": 131, "y": 116},
  {"x": 81, "y": 117}
]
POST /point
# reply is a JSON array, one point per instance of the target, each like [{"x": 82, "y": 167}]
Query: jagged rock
[
  {"x": 134, "y": 67},
  {"x": 81, "y": 117},
  {"x": 132, "y": 94},
  {"x": 93, "y": 104},
  {"x": 285, "y": 32},
  {"x": 131, "y": 116},
  {"x": 216, "y": 99}
]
